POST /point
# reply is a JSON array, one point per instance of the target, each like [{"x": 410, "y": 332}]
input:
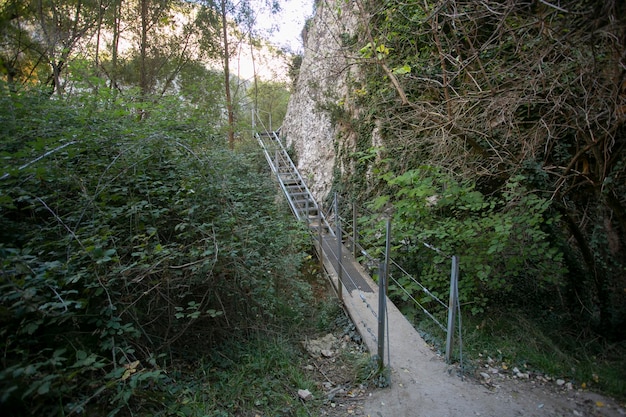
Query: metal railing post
[
  {"x": 339, "y": 244},
  {"x": 319, "y": 239},
  {"x": 306, "y": 210},
  {"x": 454, "y": 291},
  {"x": 355, "y": 234},
  {"x": 387, "y": 253},
  {"x": 382, "y": 299}
]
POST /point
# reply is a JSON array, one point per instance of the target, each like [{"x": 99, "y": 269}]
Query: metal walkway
[
  {"x": 305, "y": 208},
  {"x": 300, "y": 199},
  {"x": 357, "y": 291},
  {"x": 418, "y": 376},
  {"x": 351, "y": 277}
]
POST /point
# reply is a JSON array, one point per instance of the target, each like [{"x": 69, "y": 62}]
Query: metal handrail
[{"x": 294, "y": 170}]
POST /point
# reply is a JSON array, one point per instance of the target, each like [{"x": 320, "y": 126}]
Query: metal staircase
[{"x": 300, "y": 199}]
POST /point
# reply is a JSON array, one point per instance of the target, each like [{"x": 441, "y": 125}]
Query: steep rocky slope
[{"x": 322, "y": 82}]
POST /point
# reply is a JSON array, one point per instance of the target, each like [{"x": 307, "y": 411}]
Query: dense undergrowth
[
  {"x": 537, "y": 345},
  {"x": 144, "y": 268},
  {"x": 495, "y": 131},
  {"x": 499, "y": 137}
]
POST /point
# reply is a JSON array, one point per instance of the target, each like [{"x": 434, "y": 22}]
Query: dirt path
[
  {"x": 422, "y": 385},
  {"x": 426, "y": 387}
]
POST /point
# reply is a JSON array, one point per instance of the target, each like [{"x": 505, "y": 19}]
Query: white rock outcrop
[{"x": 322, "y": 83}]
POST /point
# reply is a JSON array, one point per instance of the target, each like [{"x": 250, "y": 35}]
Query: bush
[
  {"x": 504, "y": 248},
  {"x": 127, "y": 245}
]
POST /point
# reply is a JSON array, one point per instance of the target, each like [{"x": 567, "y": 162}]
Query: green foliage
[
  {"x": 258, "y": 376},
  {"x": 270, "y": 101},
  {"x": 329, "y": 310},
  {"x": 370, "y": 372},
  {"x": 543, "y": 344},
  {"x": 126, "y": 245},
  {"x": 536, "y": 200},
  {"x": 502, "y": 240}
]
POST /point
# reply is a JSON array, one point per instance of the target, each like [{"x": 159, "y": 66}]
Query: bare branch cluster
[{"x": 489, "y": 90}]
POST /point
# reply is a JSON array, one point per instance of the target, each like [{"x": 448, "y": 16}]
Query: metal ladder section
[{"x": 300, "y": 199}]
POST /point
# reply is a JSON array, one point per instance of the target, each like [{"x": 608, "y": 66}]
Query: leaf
[
  {"x": 405, "y": 69},
  {"x": 366, "y": 51},
  {"x": 380, "y": 201},
  {"x": 382, "y": 49},
  {"x": 131, "y": 368},
  {"x": 214, "y": 313},
  {"x": 44, "y": 388}
]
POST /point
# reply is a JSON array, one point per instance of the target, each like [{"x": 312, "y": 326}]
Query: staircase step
[{"x": 300, "y": 199}]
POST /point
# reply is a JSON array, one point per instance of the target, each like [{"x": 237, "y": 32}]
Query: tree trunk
[
  {"x": 229, "y": 102},
  {"x": 143, "y": 75},
  {"x": 117, "y": 12}
]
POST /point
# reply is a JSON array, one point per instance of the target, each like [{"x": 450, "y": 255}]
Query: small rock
[
  {"x": 316, "y": 346},
  {"x": 484, "y": 375},
  {"x": 327, "y": 353},
  {"x": 515, "y": 370},
  {"x": 560, "y": 382},
  {"x": 305, "y": 394},
  {"x": 577, "y": 413},
  {"x": 569, "y": 386}
]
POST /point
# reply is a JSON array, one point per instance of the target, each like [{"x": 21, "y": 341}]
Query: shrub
[
  {"x": 128, "y": 245},
  {"x": 501, "y": 240}
]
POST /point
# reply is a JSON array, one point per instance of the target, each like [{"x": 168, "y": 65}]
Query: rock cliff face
[{"x": 322, "y": 82}]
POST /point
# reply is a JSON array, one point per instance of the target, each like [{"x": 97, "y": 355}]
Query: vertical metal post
[
  {"x": 387, "y": 254},
  {"x": 306, "y": 210},
  {"x": 339, "y": 244},
  {"x": 454, "y": 291},
  {"x": 319, "y": 238},
  {"x": 355, "y": 234},
  {"x": 382, "y": 308}
]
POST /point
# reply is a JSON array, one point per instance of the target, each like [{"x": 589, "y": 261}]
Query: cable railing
[
  {"x": 398, "y": 276},
  {"x": 331, "y": 228},
  {"x": 299, "y": 197}
]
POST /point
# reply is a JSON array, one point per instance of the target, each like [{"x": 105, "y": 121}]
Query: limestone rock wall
[{"x": 322, "y": 83}]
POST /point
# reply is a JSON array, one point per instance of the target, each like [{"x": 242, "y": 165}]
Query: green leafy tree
[
  {"x": 271, "y": 99},
  {"x": 224, "y": 18}
]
